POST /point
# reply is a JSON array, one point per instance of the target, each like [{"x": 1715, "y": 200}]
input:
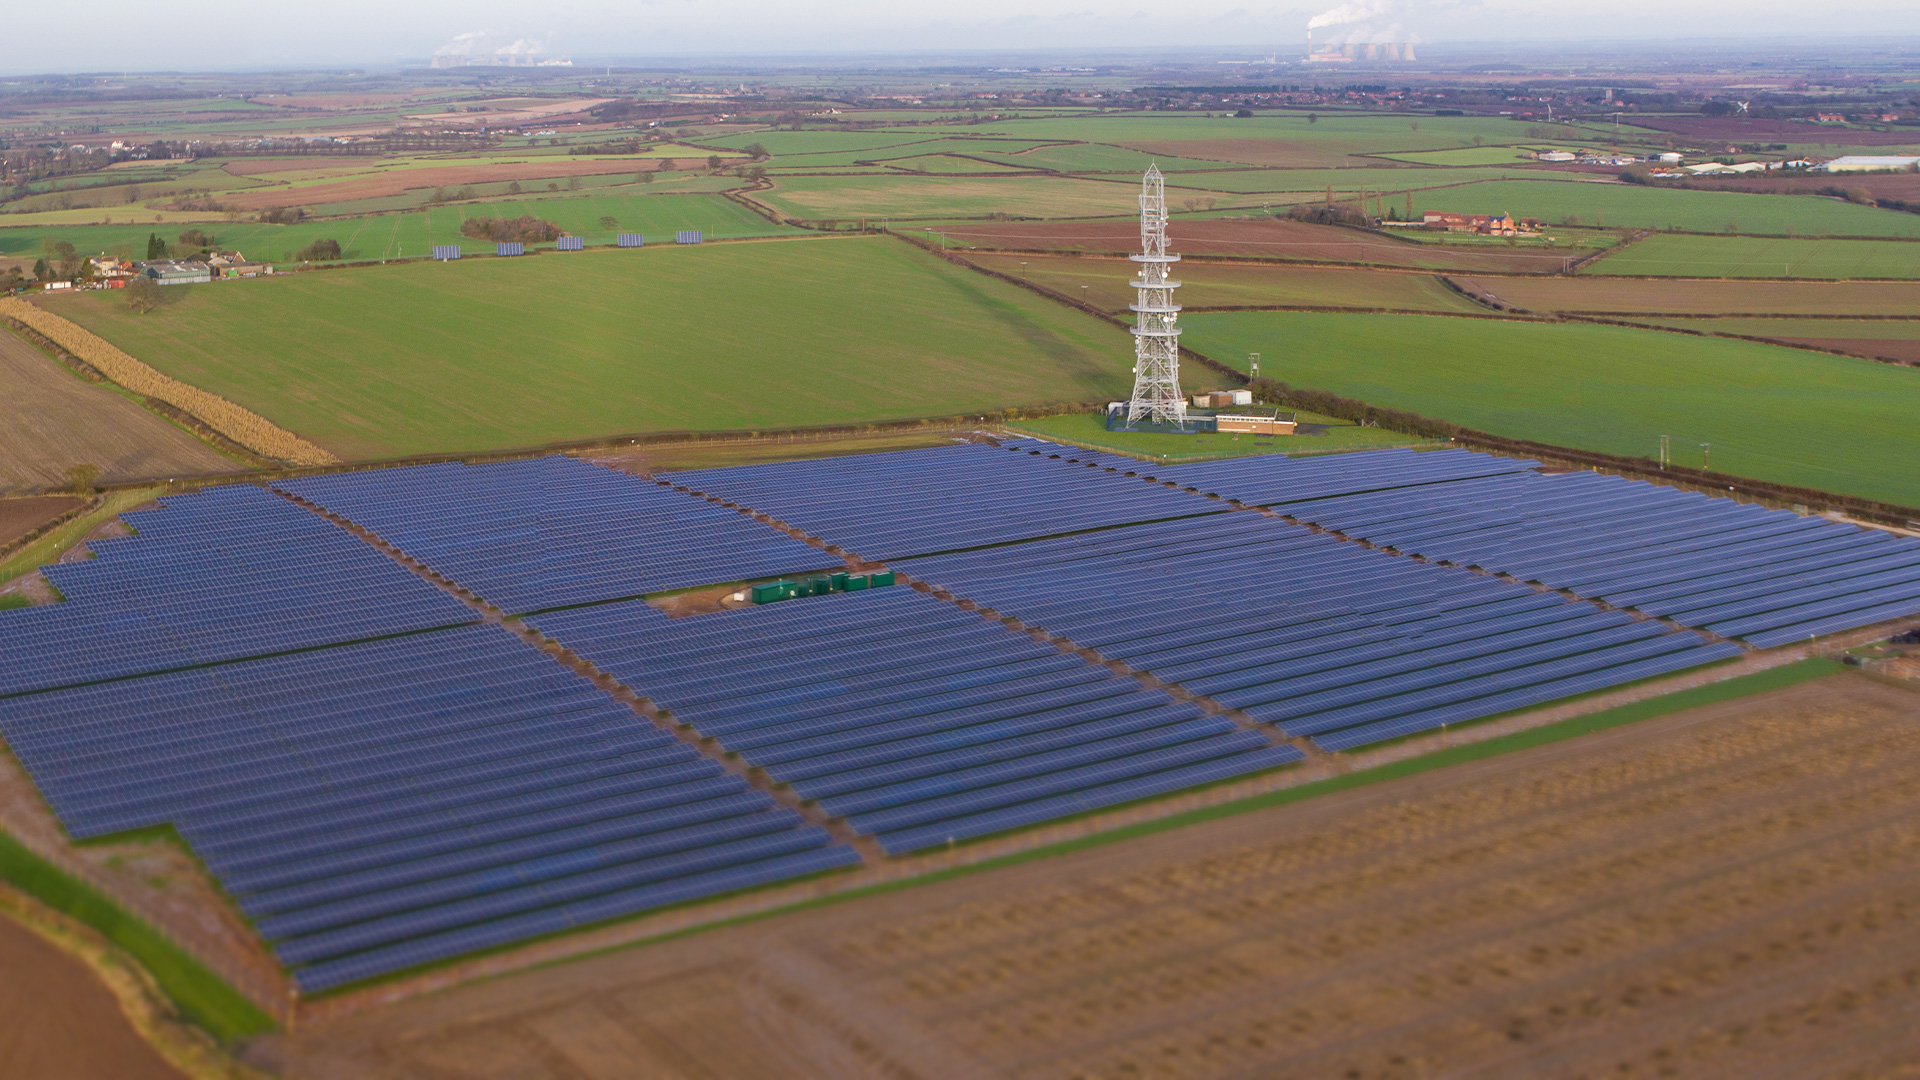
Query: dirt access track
[
  {"x": 1727, "y": 891},
  {"x": 1260, "y": 239}
]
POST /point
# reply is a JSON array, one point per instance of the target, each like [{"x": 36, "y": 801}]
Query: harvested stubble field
[
  {"x": 236, "y": 422},
  {"x": 1762, "y": 257},
  {"x": 1229, "y": 285},
  {"x": 1698, "y": 297},
  {"x": 1725, "y": 891},
  {"x": 1771, "y": 413},
  {"x": 50, "y": 421},
  {"x": 1259, "y": 238},
  {"x": 391, "y": 361}
]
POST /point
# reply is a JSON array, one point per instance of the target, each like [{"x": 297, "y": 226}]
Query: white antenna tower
[{"x": 1156, "y": 331}]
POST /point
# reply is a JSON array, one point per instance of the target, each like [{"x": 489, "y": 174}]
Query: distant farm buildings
[
  {"x": 1481, "y": 224},
  {"x": 177, "y": 271},
  {"x": 1873, "y": 163}
]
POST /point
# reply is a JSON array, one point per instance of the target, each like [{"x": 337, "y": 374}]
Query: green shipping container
[
  {"x": 856, "y": 582},
  {"x": 769, "y": 591},
  {"x": 839, "y": 580},
  {"x": 884, "y": 577},
  {"x": 821, "y": 586}
]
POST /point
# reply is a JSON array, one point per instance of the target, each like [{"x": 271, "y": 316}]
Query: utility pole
[
  {"x": 1253, "y": 365},
  {"x": 1665, "y": 452},
  {"x": 1706, "y": 457}
]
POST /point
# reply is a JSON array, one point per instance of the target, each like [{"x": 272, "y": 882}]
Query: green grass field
[
  {"x": 1466, "y": 155},
  {"x": 1090, "y": 429},
  {"x": 1636, "y": 206},
  {"x": 1760, "y": 257},
  {"x": 494, "y": 353},
  {"x": 1770, "y": 413},
  {"x": 388, "y": 236}
]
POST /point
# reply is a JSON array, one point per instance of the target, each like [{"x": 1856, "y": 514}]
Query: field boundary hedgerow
[
  {"x": 242, "y": 425},
  {"x": 1781, "y": 342}
]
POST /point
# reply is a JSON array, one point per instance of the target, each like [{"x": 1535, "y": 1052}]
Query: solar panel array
[
  {"x": 510, "y": 248},
  {"x": 688, "y": 236},
  {"x": 380, "y": 805},
  {"x": 913, "y": 502},
  {"x": 916, "y": 721},
  {"x": 532, "y": 535},
  {"x": 630, "y": 240},
  {"x": 1269, "y": 479},
  {"x": 228, "y": 573},
  {"x": 444, "y": 252},
  {"x": 1766, "y": 576},
  {"x": 570, "y": 243},
  {"x": 1324, "y": 638}
]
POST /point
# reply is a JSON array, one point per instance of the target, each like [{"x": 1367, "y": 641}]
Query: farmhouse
[
  {"x": 1482, "y": 224},
  {"x": 232, "y": 264}
]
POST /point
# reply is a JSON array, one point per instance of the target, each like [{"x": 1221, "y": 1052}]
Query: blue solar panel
[
  {"x": 900, "y": 711},
  {"x": 446, "y": 251},
  {"x": 630, "y": 240},
  {"x": 380, "y": 804},
  {"x": 688, "y": 236},
  {"x": 557, "y": 531},
  {"x": 1768, "y": 576},
  {"x": 1296, "y": 627},
  {"x": 510, "y": 248},
  {"x": 570, "y": 243}
]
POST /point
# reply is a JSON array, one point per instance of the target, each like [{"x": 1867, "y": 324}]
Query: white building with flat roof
[{"x": 1872, "y": 163}]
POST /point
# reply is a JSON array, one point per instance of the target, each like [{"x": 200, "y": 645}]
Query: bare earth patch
[
  {"x": 60, "y": 1022},
  {"x": 1726, "y": 891},
  {"x": 51, "y": 421},
  {"x": 18, "y": 517}
]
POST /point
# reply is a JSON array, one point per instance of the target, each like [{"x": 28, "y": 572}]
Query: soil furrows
[
  {"x": 869, "y": 851},
  {"x": 1337, "y": 940},
  {"x": 1591, "y": 870},
  {"x": 1354, "y": 849}
]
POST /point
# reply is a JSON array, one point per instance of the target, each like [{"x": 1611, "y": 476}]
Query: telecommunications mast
[{"x": 1156, "y": 331}]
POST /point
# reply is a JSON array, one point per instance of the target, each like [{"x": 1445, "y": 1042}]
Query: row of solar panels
[
  {"x": 889, "y": 506},
  {"x": 555, "y": 532},
  {"x": 919, "y": 723},
  {"x": 214, "y": 577},
  {"x": 1324, "y": 638},
  {"x": 379, "y": 805},
  {"x": 1766, "y": 576}
]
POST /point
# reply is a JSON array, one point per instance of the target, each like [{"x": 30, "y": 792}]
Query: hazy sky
[{"x": 111, "y": 35}]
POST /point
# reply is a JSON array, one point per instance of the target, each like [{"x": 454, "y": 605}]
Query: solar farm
[{"x": 405, "y": 716}]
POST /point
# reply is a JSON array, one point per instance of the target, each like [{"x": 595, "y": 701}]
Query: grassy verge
[
  {"x": 1090, "y": 430},
  {"x": 201, "y": 996},
  {"x": 48, "y": 548}
]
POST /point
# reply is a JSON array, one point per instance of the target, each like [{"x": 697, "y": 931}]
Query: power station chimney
[{"x": 1309, "y": 42}]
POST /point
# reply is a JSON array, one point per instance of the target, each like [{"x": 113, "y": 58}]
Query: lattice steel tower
[{"x": 1156, "y": 331}]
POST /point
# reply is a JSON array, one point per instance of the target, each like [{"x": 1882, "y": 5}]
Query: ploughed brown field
[
  {"x": 1728, "y": 891},
  {"x": 400, "y": 181},
  {"x": 1688, "y": 297},
  {"x": 58, "y": 1022},
  {"x": 51, "y": 421},
  {"x": 1895, "y": 349},
  {"x": 1262, "y": 239},
  {"x": 18, "y": 517}
]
